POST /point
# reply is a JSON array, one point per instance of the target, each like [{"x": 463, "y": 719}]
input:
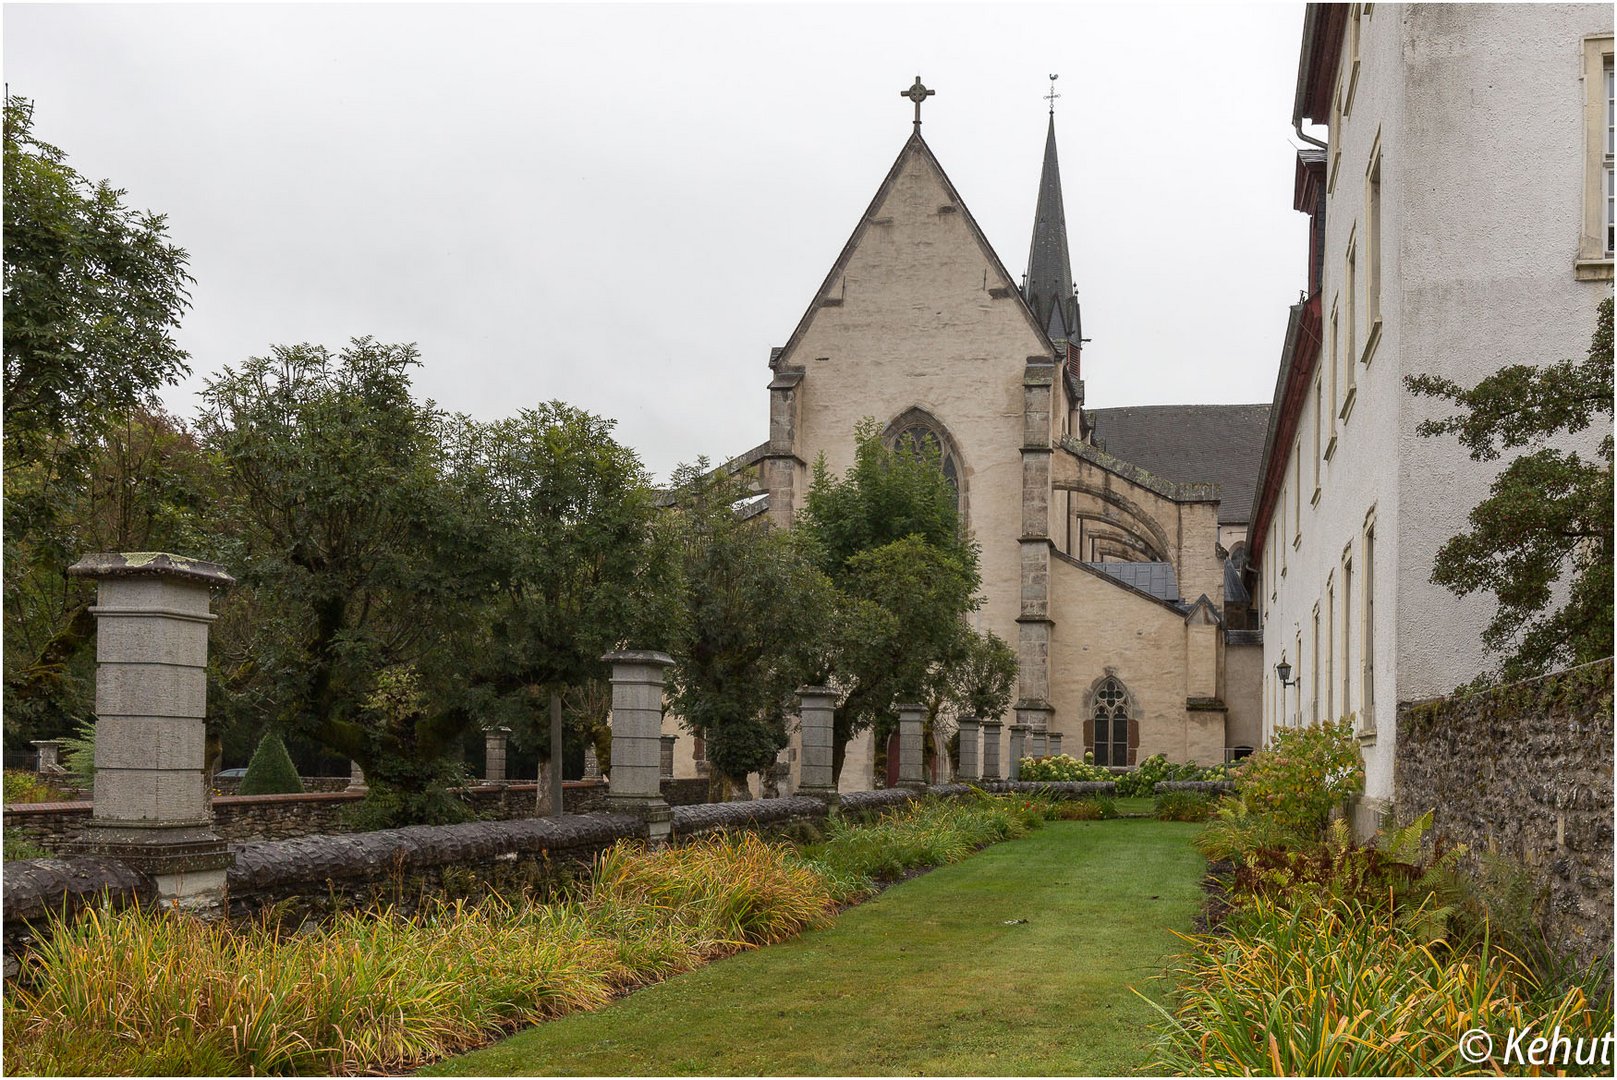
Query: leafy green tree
[
  {"x": 271, "y": 772},
  {"x": 982, "y": 679},
  {"x": 92, "y": 293},
  {"x": 143, "y": 483},
  {"x": 348, "y": 543},
  {"x": 888, "y": 536},
  {"x": 560, "y": 530},
  {"x": 1547, "y": 514},
  {"x": 753, "y": 610},
  {"x": 93, "y": 290}
]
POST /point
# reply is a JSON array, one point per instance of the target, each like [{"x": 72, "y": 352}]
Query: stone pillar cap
[
  {"x": 639, "y": 656},
  {"x": 817, "y": 690},
  {"x": 120, "y": 564},
  {"x": 910, "y": 705},
  {"x": 45, "y": 742},
  {"x": 1020, "y": 727}
]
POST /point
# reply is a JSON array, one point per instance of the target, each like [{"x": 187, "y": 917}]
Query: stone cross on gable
[{"x": 917, "y": 94}]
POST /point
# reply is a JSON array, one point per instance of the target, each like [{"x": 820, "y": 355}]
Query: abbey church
[{"x": 1112, "y": 539}]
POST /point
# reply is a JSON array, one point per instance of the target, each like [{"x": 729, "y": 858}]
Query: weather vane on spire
[
  {"x": 917, "y": 94},
  {"x": 1052, "y": 95}
]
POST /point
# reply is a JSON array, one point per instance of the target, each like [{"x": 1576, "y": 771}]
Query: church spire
[{"x": 1048, "y": 287}]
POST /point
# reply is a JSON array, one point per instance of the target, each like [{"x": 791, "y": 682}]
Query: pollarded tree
[
  {"x": 888, "y": 536},
  {"x": 1547, "y": 514},
  {"x": 753, "y": 610}
]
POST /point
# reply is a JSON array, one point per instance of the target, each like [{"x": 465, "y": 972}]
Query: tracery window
[
  {"x": 1109, "y": 720},
  {"x": 918, "y": 432},
  {"x": 921, "y": 439}
]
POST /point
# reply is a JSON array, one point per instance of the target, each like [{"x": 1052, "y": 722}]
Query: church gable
[{"x": 917, "y": 263}]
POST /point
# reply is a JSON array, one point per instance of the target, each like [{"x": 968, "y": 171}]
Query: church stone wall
[
  {"x": 1102, "y": 628},
  {"x": 920, "y": 317}
]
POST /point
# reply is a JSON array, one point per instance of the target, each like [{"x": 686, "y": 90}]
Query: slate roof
[
  {"x": 1155, "y": 578},
  {"x": 1220, "y": 444},
  {"x": 1049, "y": 270}
]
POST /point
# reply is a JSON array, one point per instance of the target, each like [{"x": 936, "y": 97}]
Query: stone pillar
[
  {"x": 494, "y": 740},
  {"x": 991, "y": 733},
  {"x": 1018, "y": 743},
  {"x": 50, "y": 755},
  {"x": 911, "y": 753},
  {"x": 151, "y": 795},
  {"x": 592, "y": 764},
  {"x": 637, "y": 721},
  {"x": 817, "y": 708},
  {"x": 665, "y": 759},
  {"x": 970, "y": 766},
  {"x": 1055, "y": 744},
  {"x": 356, "y": 778},
  {"x": 1034, "y": 714}
]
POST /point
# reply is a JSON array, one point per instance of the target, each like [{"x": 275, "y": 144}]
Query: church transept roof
[{"x": 1219, "y": 444}]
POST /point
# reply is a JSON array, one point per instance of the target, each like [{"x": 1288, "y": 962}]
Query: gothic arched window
[
  {"x": 918, "y": 432},
  {"x": 1110, "y": 717}
]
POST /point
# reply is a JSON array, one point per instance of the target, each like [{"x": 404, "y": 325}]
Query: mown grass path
[{"x": 928, "y": 978}]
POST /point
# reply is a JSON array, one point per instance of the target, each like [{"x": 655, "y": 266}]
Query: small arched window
[{"x": 1110, "y": 717}]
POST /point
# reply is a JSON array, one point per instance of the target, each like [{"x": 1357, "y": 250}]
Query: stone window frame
[
  {"x": 1319, "y": 432},
  {"x": 917, "y": 416},
  {"x": 1367, "y": 637},
  {"x": 1372, "y": 252},
  {"x": 1131, "y": 703},
  {"x": 1313, "y": 679},
  {"x": 1355, "y": 16},
  {"x": 1594, "y": 261},
  {"x": 1347, "y": 629},
  {"x": 1330, "y": 645}
]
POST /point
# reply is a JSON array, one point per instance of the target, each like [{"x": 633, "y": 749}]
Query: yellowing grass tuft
[
  {"x": 1343, "y": 990},
  {"x": 155, "y": 992}
]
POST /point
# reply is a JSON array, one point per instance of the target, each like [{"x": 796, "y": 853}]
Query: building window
[
  {"x": 1355, "y": 13},
  {"x": 1350, "y": 327},
  {"x": 1297, "y": 503},
  {"x": 1330, "y": 647},
  {"x": 1367, "y": 640},
  {"x": 1595, "y": 249},
  {"x": 1313, "y": 678},
  {"x": 1372, "y": 252},
  {"x": 1298, "y": 716},
  {"x": 1347, "y": 626},
  {"x": 1330, "y": 445},
  {"x": 1336, "y": 140},
  {"x": 1110, "y": 718},
  {"x": 1319, "y": 429},
  {"x": 921, "y": 434}
]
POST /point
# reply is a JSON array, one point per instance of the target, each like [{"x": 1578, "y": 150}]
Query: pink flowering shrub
[{"x": 1303, "y": 774}]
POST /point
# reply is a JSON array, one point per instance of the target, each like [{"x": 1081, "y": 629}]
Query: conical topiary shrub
[{"x": 271, "y": 771}]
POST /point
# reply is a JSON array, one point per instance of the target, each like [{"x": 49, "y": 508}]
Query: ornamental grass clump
[
  {"x": 156, "y": 992},
  {"x": 1345, "y": 989}
]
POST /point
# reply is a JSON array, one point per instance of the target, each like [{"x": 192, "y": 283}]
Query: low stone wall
[
  {"x": 308, "y": 877},
  {"x": 243, "y": 818},
  {"x": 1525, "y": 770},
  {"x": 231, "y": 785}
]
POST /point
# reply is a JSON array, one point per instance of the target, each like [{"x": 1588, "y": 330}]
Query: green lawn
[{"x": 928, "y": 978}]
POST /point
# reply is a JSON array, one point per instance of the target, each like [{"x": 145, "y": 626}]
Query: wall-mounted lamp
[{"x": 1283, "y": 669}]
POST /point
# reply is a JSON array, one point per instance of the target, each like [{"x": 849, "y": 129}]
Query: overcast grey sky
[{"x": 625, "y": 206}]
